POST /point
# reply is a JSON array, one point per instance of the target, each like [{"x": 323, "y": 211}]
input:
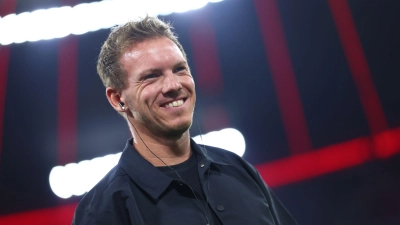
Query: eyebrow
[{"x": 181, "y": 63}]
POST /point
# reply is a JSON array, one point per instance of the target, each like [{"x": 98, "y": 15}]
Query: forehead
[{"x": 151, "y": 54}]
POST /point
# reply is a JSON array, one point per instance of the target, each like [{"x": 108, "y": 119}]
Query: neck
[{"x": 153, "y": 148}]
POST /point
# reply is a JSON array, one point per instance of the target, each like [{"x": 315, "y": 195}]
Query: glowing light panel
[
  {"x": 78, "y": 178},
  {"x": 52, "y": 23}
]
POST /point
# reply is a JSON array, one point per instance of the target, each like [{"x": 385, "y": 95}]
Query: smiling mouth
[{"x": 175, "y": 103}]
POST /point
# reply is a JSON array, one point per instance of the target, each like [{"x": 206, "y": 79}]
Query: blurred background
[{"x": 313, "y": 87}]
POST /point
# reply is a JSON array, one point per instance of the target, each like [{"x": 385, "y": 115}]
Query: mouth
[{"x": 174, "y": 104}]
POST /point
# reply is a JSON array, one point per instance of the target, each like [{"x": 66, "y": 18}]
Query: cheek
[
  {"x": 131, "y": 104},
  {"x": 148, "y": 95},
  {"x": 189, "y": 83},
  {"x": 133, "y": 99},
  {"x": 192, "y": 83}
]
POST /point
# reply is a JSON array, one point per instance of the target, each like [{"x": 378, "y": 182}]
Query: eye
[
  {"x": 180, "y": 68},
  {"x": 150, "y": 76}
]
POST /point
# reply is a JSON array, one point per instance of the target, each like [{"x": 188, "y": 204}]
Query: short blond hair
[{"x": 121, "y": 39}]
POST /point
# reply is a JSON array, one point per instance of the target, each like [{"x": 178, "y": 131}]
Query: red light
[
  {"x": 387, "y": 143},
  {"x": 315, "y": 163}
]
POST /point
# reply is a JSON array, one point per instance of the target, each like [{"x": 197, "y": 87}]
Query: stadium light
[
  {"x": 44, "y": 24},
  {"x": 78, "y": 178}
]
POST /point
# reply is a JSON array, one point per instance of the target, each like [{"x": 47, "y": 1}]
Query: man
[{"x": 164, "y": 177}]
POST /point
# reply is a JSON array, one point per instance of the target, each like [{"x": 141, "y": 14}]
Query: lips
[{"x": 175, "y": 103}]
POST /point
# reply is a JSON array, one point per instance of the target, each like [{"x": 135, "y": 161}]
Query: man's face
[{"x": 160, "y": 93}]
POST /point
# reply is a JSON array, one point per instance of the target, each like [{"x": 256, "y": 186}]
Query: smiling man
[{"x": 164, "y": 177}]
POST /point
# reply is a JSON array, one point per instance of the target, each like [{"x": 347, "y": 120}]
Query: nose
[{"x": 171, "y": 84}]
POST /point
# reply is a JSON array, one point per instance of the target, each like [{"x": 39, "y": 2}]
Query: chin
[{"x": 176, "y": 132}]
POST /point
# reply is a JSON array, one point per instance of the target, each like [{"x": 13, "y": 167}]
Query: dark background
[{"x": 225, "y": 44}]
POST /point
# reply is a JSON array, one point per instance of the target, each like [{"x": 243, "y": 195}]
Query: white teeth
[{"x": 174, "y": 104}]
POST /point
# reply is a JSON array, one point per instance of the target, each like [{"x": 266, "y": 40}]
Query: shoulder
[
  {"x": 230, "y": 158},
  {"x": 103, "y": 196},
  {"x": 219, "y": 153},
  {"x": 112, "y": 181}
]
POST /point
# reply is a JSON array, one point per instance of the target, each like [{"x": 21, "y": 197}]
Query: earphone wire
[
  {"x": 208, "y": 170},
  {"x": 194, "y": 194},
  {"x": 201, "y": 138}
]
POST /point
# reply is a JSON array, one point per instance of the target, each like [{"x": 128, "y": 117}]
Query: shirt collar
[
  {"x": 202, "y": 155},
  {"x": 142, "y": 172},
  {"x": 148, "y": 177}
]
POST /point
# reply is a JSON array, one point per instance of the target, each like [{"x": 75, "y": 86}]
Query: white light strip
[
  {"x": 78, "y": 178},
  {"x": 51, "y": 23},
  {"x": 228, "y": 138}
]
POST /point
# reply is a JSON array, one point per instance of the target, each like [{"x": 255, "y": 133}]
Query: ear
[{"x": 114, "y": 97}]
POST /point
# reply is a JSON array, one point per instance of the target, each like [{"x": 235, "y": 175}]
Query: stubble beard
[{"x": 167, "y": 132}]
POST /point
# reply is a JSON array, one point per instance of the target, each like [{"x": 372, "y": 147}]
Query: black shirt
[
  {"x": 136, "y": 192},
  {"x": 187, "y": 173}
]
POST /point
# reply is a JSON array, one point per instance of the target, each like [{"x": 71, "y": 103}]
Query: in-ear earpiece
[{"x": 122, "y": 105}]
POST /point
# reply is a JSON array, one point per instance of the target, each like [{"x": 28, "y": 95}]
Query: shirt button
[
  {"x": 220, "y": 208},
  {"x": 202, "y": 165}
]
